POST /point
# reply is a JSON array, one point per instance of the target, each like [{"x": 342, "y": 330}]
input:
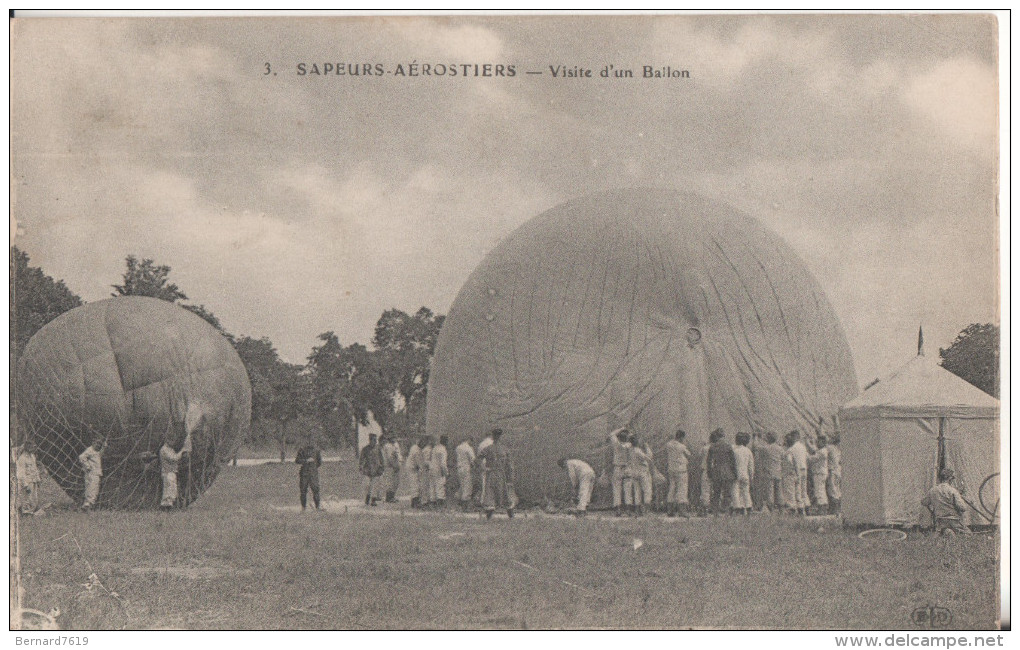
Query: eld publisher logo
[{"x": 932, "y": 617}]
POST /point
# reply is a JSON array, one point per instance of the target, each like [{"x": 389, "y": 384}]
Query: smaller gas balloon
[{"x": 135, "y": 373}]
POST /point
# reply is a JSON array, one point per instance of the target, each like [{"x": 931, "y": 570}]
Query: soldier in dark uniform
[
  {"x": 371, "y": 466},
  {"x": 498, "y": 471},
  {"x": 722, "y": 470},
  {"x": 309, "y": 458}
]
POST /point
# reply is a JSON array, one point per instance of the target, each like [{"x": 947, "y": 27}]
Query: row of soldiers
[
  {"x": 90, "y": 462},
  {"x": 427, "y": 466},
  {"x": 26, "y": 464},
  {"x": 755, "y": 473},
  {"x": 383, "y": 466}
]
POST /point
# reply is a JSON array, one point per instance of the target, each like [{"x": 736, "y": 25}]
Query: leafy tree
[
  {"x": 209, "y": 317},
  {"x": 405, "y": 344},
  {"x": 290, "y": 396},
  {"x": 370, "y": 389},
  {"x": 280, "y": 390},
  {"x": 331, "y": 371},
  {"x": 974, "y": 357},
  {"x": 36, "y": 299},
  {"x": 145, "y": 278},
  {"x": 348, "y": 383}
]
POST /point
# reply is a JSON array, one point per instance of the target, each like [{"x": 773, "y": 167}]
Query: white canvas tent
[{"x": 891, "y": 439}]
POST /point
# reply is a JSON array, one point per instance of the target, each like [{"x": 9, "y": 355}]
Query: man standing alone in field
[
  {"x": 309, "y": 459},
  {"x": 582, "y": 479},
  {"x": 371, "y": 465},
  {"x": 92, "y": 462},
  {"x": 498, "y": 472},
  {"x": 465, "y": 455},
  {"x": 392, "y": 459},
  {"x": 677, "y": 459}
]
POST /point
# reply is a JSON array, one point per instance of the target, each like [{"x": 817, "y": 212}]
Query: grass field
[{"x": 241, "y": 558}]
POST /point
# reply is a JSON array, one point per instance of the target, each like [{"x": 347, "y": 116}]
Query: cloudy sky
[{"x": 290, "y": 205}]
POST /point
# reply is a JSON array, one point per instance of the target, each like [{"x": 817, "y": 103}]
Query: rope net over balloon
[
  {"x": 108, "y": 375},
  {"x": 131, "y": 467}
]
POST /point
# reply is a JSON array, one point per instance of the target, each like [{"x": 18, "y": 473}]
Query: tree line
[
  {"x": 336, "y": 391},
  {"x": 340, "y": 387}
]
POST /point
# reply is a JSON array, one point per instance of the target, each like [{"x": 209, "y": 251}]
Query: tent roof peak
[{"x": 922, "y": 383}]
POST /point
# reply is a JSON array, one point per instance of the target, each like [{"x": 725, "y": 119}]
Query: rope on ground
[
  {"x": 569, "y": 584},
  {"x": 94, "y": 581},
  {"x": 305, "y": 611},
  {"x": 883, "y": 533}
]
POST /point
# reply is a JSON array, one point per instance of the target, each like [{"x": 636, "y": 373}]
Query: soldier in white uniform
[
  {"x": 92, "y": 462},
  {"x": 677, "y": 459},
  {"x": 439, "y": 469},
  {"x": 582, "y": 479},
  {"x": 465, "y": 455},
  {"x": 640, "y": 471},
  {"x": 27, "y": 470},
  {"x": 426, "y": 490},
  {"x": 745, "y": 474},
  {"x": 818, "y": 465},
  {"x": 392, "y": 460},
  {"x": 620, "y": 442},
  {"x": 412, "y": 468},
  {"x": 795, "y": 474},
  {"x": 169, "y": 463}
]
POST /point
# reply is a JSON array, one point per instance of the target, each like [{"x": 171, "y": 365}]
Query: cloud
[
  {"x": 960, "y": 98},
  {"x": 465, "y": 43},
  {"x": 716, "y": 57},
  {"x": 291, "y": 205}
]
